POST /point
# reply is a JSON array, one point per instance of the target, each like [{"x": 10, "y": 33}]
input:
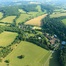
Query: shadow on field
[{"x": 54, "y": 60}]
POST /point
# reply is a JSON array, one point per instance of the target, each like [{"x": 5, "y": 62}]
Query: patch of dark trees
[{"x": 56, "y": 26}]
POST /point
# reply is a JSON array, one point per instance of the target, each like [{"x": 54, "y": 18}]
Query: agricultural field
[
  {"x": 64, "y": 21},
  {"x": 21, "y": 11},
  {"x": 6, "y": 38},
  {"x": 33, "y": 55},
  {"x": 8, "y": 19},
  {"x": 34, "y": 14},
  {"x": 36, "y": 21},
  {"x": 57, "y": 14},
  {"x": 22, "y": 18},
  {"x": 39, "y": 8},
  {"x": 1, "y": 15}
]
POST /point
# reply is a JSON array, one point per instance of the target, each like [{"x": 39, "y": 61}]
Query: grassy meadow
[
  {"x": 1, "y": 15},
  {"x": 64, "y": 21},
  {"x": 8, "y": 19},
  {"x": 21, "y": 11},
  {"x": 33, "y": 55},
  {"x": 36, "y": 21},
  {"x": 58, "y": 14},
  {"x": 6, "y": 38},
  {"x": 22, "y": 18}
]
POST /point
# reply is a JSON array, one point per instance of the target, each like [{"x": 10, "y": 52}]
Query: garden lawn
[{"x": 7, "y": 38}]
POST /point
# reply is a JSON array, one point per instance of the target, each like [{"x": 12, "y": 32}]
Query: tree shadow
[{"x": 54, "y": 60}]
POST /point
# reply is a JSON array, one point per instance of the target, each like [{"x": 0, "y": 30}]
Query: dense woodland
[{"x": 55, "y": 26}]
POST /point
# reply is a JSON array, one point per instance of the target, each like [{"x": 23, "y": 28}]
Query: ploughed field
[
  {"x": 6, "y": 38},
  {"x": 36, "y": 21}
]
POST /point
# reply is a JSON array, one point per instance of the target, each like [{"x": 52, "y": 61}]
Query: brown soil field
[{"x": 36, "y": 21}]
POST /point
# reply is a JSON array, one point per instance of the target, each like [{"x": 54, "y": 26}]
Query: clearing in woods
[{"x": 36, "y": 21}]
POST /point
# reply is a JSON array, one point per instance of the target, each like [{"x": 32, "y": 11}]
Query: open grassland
[
  {"x": 34, "y": 14},
  {"x": 8, "y": 19},
  {"x": 58, "y": 14},
  {"x": 1, "y": 15},
  {"x": 23, "y": 18},
  {"x": 21, "y": 11},
  {"x": 36, "y": 21},
  {"x": 64, "y": 21},
  {"x": 6, "y": 38},
  {"x": 33, "y": 55},
  {"x": 39, "y": 8}
]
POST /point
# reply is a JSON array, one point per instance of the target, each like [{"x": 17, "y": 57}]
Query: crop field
[
  {"x": 33, "y": 55},
  {"x": 1, "y": 15},
  {"x": 8, "y": 19},
  {"x": 64, "y": 21},
  {"x": 58, "y": 14},
  {"x": 6, "y": 38},
  {"x": 36, "y": 21},
  {"x": 22, "y": 18}
]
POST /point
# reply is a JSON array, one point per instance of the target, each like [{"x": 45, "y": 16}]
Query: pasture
[
  {"x": 64, "y": 21},
  {"x": 39, "y": 8},
  {"x": 8, "y": 19},
  {"x": 33, "y": 55},
  {"x": 6, "y": 38},
  {"x": 36, "y": 21},
  {"x": 21, "y": 11},
  {"x": 1, "y": 15},
  {"x": 22, "y": 18},
  {"x": 57, "y": 14}
]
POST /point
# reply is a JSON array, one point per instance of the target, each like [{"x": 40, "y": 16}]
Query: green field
[
  {"x": 21, "y": 11},
  {"x": 6, "y": 38},
  {"x": 58, "y": 14},
  {"x": 64, "y": 21},
  {"x": 1, "y": 15},
  {"x": 8, "y": 19},
  {"x": 33, "y": 55},
  {"x": 39, "y": 8},
  {"x": 22, "y": 18}
]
